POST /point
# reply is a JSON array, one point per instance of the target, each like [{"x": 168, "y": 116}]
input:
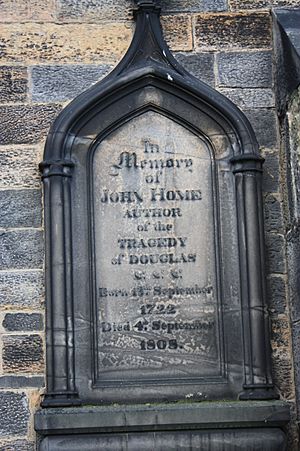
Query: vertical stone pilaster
[
  {"x": 257, "y": 352},
  {"x": 61, "y": 390}
]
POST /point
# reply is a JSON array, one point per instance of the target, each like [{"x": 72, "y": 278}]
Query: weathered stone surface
[
  {"x": 271, "y": 172},
  {"x": 25, "y": 10},
  {"x": 23, "y": 322},
  {"x": 11, "y": 381},
  {"x": 18, "y": 445},
  {"x": 201, "y": 65},
  {"x": 21, "y": 249},
  {"x": 283, "y": 373},
  {"x": 178, "y": 32},
  {"x": 245, "y": 69},
  {"x": 22, "y": 353},
  {"x": 280, "y": 333},
  {"x": 264, "y": 122},
  {"x": 20, "y": 208},
  {"x": 62, "y": 43},
  {"x": 59, "y": 83},
  {"x": 256, "y": 4},
  {"x": 194, "y": 5},
  {"x": 13, "y": 84},
  {"x": 237, "y": 30},
  {"x": 14, "y": 413},
  {"x": 87, "y": 11},
  {"x": 24, "y": 124},
  {"x": 250, "y": 98},
  {"x": 275, "y": 261},
  {"x": 19, "y": 167},
  {"x": 276, "y": 294},
  {"x": 21, "y": 289},
  {"x": 273, "y": 214}
]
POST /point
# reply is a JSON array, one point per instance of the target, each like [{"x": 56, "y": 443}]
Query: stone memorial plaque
[{"x": 155, "y": 240}]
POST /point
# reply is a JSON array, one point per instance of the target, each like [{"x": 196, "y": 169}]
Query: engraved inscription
[{"x": 155, "y": 252}]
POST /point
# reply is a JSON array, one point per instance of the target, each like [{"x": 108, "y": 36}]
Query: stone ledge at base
[{"x": 217, "y": 426}]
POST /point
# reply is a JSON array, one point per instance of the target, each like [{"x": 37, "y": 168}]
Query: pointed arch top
[{"x": 148, "y": 63}]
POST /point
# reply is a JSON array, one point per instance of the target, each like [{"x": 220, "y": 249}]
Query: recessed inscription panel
[{"x": 155, "y": 254}]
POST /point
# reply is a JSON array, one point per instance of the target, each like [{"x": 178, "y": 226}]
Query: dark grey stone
[
  {"x": 23, "y": 321},
  {"x": 21, "y": 289},
  {"x": 13, "y": 84},
  {"x": 10, "y": 382},
  {"x": 275, "y": 261},
  {"x": 22, "y": 353},
  {"x": 245, "y": 69},
  {"x": 214, "y": 440},
  {"x": 218, "y": 31},
  {"x": 21, "y": 249},
  {"x": 194, "y": 5},
  {"x": 201, "y": 65},
  {"x": 276, "y": 293},
  {"x": 24, "y": 124},
  {"x": 14, "y": 413},
  {"x": 18, "y": 445},
  {"x": 250, "y": 97},
  {"x": 271, "y": 172},
  {"x": 264, "y": 122},
  {"x": 73, "y": 10},
  {"x": 20, "y": 208},
  {"x": 273, "y": 214},
  {"x": 59, "y": 83},
  {"x": 160, "y": 417}
]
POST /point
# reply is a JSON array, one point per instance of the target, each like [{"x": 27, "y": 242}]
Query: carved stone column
[
  {"x": 61, "y": 389},
  {"x": 257, "y": 351}
]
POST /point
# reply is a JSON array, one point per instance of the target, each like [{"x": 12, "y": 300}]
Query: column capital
[
  {"x": 50, "y": 168},
  {"x": 248, "y": 162}
]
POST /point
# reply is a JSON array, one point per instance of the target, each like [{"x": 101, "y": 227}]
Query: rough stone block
[
  {"x": 194, "y": 5},
  {"x": 276, "y": 294},
  {"x": 273, "y": 214},
  {"x": 99, "y": 10},
  {"x": 21, "y": 249},
  {"x": 11, "y": 382},
  {"x": 24, "y": 124},
  {"x": 95, "y": 11},
  {"x": 235, "y": 30},
  {"x": 25, "y": 10},
  {"x": 271, "y": 172},
  {"x": 178, "y": 32},
  {"x": 17, "y": 445},
  {"x": 20, "y": 208},
  {"x": 22, "y": 353},
  {"x": 264, "y": 122},
  {"x": 19, "y": 167},
  {"x": 60, "y": 83},
  {"x": 201, "y": 65},
  {"x": 245, "y": 69},
  {"x": 275, "y": 261},
  {"x": 14, "y": 413},
  {"x": 246, "y": 98},
  {"x": 21, "y": 289},
  {"x": 283, "y": 373},
  {"x": 23, "y": 322},
  {"x": 13, "y": 84},
  {"x": 256, "y": 4},
  {"x": 106, "y": 42},
  {"x": 35, "y": 42},
  {"x": 280, "y": 333}
]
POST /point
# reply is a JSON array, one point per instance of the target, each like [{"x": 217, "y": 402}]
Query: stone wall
[{"x": 50, "y": 51}]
